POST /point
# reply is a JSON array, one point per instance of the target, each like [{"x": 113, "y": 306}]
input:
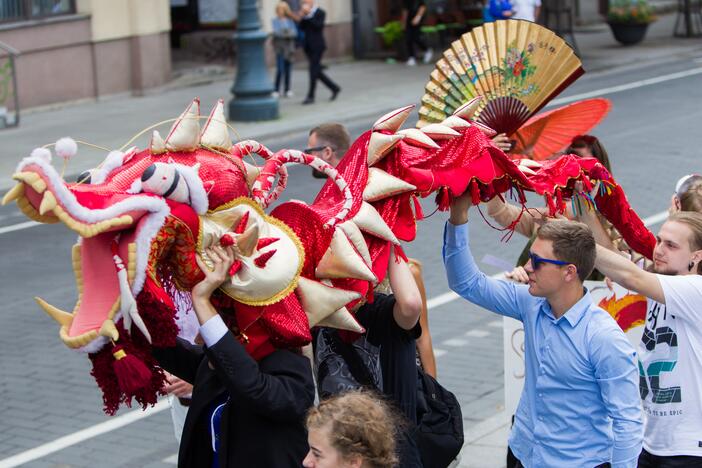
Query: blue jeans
[{"x": 283, "y": 68}]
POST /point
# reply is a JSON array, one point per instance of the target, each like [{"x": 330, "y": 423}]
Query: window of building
[{"x": 22, "y": 10}]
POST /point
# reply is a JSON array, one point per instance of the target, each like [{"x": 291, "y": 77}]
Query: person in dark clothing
[
  {"x": 311, "y": 23},
  {"x": 392, "y": 326},
  {"x": 243, "y": 412},
  {"x": 413, "y": 12}
]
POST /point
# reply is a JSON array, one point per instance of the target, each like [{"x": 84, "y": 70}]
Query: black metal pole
[{"x": 252, "y": 87}]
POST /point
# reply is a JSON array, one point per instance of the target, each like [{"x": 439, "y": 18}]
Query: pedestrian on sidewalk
[
  {"x": 413, "y": 12},
  {"x": 311, "y": 22},
  {"x": 284, "y": 37},
  {"x": 580, "y": 404}
]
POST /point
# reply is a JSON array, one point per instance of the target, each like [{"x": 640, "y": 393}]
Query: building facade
[{"x": 82, "y": 49}]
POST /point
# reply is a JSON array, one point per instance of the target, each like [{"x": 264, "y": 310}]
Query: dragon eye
[{"x": 165, "y": 180}]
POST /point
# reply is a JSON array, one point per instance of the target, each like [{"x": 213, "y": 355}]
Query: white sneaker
[
  {"x": 428, "y": 55},
  {"x": 411, "y": 62},
  {"x": 275, "y": 94},
  {"x": 289, "y": 94}
]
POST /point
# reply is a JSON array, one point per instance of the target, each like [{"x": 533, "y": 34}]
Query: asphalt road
[{"x": 652, "y": 139}]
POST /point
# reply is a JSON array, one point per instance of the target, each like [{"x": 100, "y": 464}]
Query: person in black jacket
[
  {"x": 243, "y": 413},
  {"x": 311, "y": 23}
]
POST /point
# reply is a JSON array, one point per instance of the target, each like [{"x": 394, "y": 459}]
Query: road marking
[
  {"x": 439, "y": 352},
  {"x": 495, "y": 324},
  {"x": 626, "y": 86},
  {"x": 172, "y": 460},
  {"x": 17, "y": 227},
  {"x": 477, "y": 333},
  {"x": 82, "y": 435},
  {"x": 455, "y": 342}
]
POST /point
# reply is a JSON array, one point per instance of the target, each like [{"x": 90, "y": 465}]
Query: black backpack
[{"x": 439, "y": 433}]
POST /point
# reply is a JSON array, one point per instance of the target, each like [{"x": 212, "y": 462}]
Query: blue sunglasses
[{"x": 537, "y": 261}]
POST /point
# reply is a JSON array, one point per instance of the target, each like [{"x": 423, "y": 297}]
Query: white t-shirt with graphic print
[{"x": 670, "y": 369}]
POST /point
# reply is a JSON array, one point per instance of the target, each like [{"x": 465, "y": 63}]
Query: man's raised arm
[
  {"x": 628, "y": 275},
  {"x": 463, "y": 274}
]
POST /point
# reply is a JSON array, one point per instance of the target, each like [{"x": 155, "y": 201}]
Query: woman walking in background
[{"x": 284, "y": 36}]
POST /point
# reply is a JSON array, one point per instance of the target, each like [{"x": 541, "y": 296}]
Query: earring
[{"x": 690, "y": 265}]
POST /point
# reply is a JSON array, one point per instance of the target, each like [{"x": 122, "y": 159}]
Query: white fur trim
[
  {"x": 94, "y": 346},
  {"x": 135, "y": 187},
  {"x": 198, "y": 195},
  {"x": 66, "y": 147},
  {"x": 43, "y": 153},
  {"x": 112, "y": 161}
]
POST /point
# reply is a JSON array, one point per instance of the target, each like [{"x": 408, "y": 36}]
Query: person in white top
[
  {"x": 526, "y": 9},
  {"x": 670, "y": 353}
]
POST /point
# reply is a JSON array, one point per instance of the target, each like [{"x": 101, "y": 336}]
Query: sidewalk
[{"x": 370, "y": 88}]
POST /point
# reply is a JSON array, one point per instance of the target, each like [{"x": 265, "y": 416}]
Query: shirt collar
[{"x": 575, "y": 313}]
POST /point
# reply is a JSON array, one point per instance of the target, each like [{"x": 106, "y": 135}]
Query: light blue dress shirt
[{"x": 580, "y": 406}]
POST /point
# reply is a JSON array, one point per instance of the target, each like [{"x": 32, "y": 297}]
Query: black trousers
[
  {"x": 648, "y": 460},
  {"x": 315, "y": 60},
  {"x": 513, "y": 462},
  {"x": 413, "y": 36}
]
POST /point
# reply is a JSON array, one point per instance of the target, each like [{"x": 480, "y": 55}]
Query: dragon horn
[
  {"x": 215, "y": 134},
  {"x": 185, "y": 133}
]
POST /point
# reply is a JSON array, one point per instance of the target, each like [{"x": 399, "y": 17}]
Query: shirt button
[
  {"x": 541, "y": 395},
  {"x": 541, "y": 418}
]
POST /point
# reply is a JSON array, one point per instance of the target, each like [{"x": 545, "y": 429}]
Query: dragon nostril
[{"x": 148, "y": 172}]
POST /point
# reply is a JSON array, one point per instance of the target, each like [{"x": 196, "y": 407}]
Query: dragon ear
[
  {"x": 185, "y": 133},
  {"x": 215, "y": 134}
]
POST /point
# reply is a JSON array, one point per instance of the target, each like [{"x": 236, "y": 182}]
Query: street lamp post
[{"x": 252, "y": 87}]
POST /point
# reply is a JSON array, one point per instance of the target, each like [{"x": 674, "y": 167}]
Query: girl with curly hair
[{"x": 351, "y": 430}]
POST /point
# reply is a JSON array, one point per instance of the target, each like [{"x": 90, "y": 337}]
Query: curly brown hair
[{"x": 360, "y": 424}]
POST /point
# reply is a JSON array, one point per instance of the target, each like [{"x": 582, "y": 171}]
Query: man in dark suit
[
  {"x": 312, "y": 25},
  {"x": 243, "y": 412}
]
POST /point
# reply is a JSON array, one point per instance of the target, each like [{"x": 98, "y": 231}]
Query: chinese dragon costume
[{"x": 143, "y": 216}]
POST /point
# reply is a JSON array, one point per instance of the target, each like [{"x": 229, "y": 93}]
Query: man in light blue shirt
[{"x": 580, "y": 406}]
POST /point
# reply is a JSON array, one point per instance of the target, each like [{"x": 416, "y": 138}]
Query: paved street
[{"x": 651, "y": 136}]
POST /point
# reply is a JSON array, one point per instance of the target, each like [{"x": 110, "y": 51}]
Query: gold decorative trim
[
  {"x": 30, "y": 212},
  {"x": 280, "y": 225}
]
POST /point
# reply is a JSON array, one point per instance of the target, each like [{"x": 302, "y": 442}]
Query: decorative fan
[
  {"x": 517, "y": 66},
  {"x": 549, "y": 132}
]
